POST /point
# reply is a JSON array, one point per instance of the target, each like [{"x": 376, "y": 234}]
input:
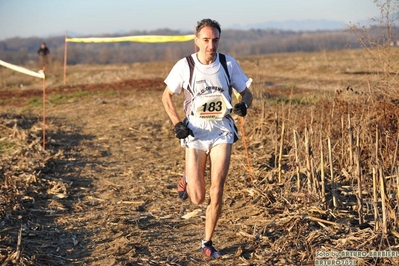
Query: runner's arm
[
  {"x": 246, "y": 96},
  {"x": 169, "y": 106}
]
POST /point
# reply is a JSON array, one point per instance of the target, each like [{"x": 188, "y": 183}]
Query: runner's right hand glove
[
  {"x": 240, "y": 109},
  {"x": 182, "y": 131}
]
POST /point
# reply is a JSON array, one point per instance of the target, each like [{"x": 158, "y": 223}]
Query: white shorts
[{"x": 208, "y": 134}]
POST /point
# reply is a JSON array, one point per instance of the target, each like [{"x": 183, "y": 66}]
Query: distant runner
[{"x": 43, "y": 53}]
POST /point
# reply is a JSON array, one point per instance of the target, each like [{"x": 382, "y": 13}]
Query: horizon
[{"x": 46, "y": 18}]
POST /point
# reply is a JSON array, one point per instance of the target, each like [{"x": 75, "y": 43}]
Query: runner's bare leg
[
  {"x": 195, "y": 169},
  {"x": 220, "y": 161}
]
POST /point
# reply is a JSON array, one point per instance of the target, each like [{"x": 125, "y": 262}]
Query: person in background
[
  {"x": 208, "y": 129},
  {"x": 43, "y": 53}
]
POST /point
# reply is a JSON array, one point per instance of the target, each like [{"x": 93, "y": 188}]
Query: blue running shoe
[
  {"x": 210, "y": 251},
  {"x": 181, "y": 188}
]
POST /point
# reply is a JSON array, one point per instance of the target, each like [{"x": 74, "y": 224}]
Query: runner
[
  {"x": 208, "y": 130},
  {"x": 43, "y": 53}
]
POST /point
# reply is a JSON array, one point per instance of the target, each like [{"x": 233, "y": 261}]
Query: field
[{"x": 320, "y": 177}]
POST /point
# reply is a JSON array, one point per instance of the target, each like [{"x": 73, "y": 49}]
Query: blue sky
[{"x": 27, "y": 18}]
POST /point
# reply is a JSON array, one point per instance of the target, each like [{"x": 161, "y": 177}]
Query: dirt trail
[
  {"x": 104, "y": 192},
  {"x": 118, "y": 165}
]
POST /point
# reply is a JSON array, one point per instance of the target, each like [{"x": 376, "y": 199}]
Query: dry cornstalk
[
  {"x": 342, "y": 138},
  {"x": 280, "y": 155},
  {"x": 376, "y": 145},
  {"x": 297, "y": 161},
  {"x": 396, "y": 234},
  {"x": 14, "y": 257},
  {"x": 242, "y": 233},
  {"x": 350, "y": 141},
  {"x": 383, "y": 202},
  {"x": 323, "y": 187},
  {"x": 263, "y": 112},
  {"x": 394, "y": 154},
  {"x": 308, "y": 164},
  {"x": 359, "y": 180},
  {"x": 322, "y": 221},
  {"x": 314, "y": 177},
  {"x": 397, "y": 196},
  {"x": 335, "y": 203},
  {"x": 375, "y": 200},
  {"x": 275, "y": 143}
]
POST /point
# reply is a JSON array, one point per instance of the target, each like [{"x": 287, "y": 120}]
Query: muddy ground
[{"x": 104, "y": 191}]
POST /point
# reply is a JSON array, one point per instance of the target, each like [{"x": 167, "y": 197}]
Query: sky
[{"x": 41, "y": 18}]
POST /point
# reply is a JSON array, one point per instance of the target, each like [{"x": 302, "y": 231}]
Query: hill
[{"x": 234, "y": 42}]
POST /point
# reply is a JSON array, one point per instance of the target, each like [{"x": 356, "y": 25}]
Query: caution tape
[
  {"x": 143, "y": 38},
  {"x": 39, "y": 74}
]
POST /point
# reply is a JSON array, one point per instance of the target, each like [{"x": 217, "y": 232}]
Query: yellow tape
[
  {"x": 144, "y": 38},
  {"x": 39, "y": 74},
  {"x": 237, "y": 94}
]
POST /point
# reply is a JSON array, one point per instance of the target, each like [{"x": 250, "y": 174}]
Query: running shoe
[
  {"x": 181, "y": 188},
  {"x": 210, "y": 251}
]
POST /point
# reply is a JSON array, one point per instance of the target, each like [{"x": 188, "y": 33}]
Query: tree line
[{"x": 23, "y": 51}]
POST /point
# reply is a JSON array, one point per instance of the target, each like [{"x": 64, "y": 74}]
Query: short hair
[{"x": 207, "y": 22}]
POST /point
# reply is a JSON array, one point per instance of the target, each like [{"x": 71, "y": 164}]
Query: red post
[
  {"x": 44, "y": 113},
  {"x": 65, "y": 56}
]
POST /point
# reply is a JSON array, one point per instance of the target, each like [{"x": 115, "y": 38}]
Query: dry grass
[{"x": 322, "y": 145}]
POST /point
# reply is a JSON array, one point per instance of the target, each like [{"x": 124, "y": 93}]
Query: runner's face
[{"x": 208, "y": 41}]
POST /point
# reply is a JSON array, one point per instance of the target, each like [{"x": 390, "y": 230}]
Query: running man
[
  {"x": 43, "y": 53},
  {"x": 208, "y": 130}
]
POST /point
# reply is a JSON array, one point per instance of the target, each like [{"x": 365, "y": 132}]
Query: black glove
[
  {"x": 182, "y": 131},
  {"x": 240, "y": 109}
]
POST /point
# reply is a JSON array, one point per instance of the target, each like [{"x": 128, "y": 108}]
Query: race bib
[{"x": 210, "y": 107}]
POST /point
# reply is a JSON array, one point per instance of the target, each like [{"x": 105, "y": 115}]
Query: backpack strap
[
  {"x": 191, "y": 64},
  {"x": 222, "y": 60}
]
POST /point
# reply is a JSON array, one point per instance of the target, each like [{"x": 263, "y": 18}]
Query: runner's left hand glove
[
  {"x": 182, "y": 131},
  {"x": 240, "y": 109}
]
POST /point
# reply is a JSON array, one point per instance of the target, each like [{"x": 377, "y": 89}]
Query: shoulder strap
[
  {"x": 222, "y": 59},
  {"x": 191, "y": 63}
]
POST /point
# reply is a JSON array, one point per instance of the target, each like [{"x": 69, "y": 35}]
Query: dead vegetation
[{"x": 322, "y": 146}]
